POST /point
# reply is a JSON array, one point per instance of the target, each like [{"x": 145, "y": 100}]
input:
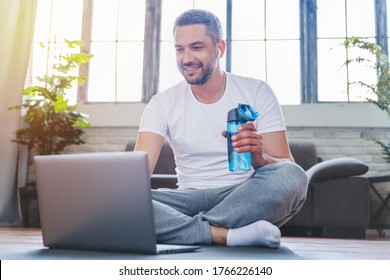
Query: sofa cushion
[
  {"x": 336, "y": 168},
  {"x": 304, "y": 153}
]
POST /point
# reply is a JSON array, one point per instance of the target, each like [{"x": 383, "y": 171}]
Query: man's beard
[{"x": 205, "y": 76}]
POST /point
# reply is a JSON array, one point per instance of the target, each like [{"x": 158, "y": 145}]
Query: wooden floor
[{"x": 371, "y": 248}]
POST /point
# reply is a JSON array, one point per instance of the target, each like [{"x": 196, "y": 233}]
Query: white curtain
[{"x": 16, "y": 34}]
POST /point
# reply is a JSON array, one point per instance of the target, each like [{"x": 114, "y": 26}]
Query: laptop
[{"x": 98, "y": 201}]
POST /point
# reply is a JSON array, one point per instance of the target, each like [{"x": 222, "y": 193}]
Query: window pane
[
  {"x": 245, "y": 63},
  {"x": 104, "y": 24},
  {"x": 283, "y": 70},
  {"x": 358, "y": 21},
  {"x": 282, "y": 23},
  {"x": 332, "y": 77},
  {"x": 248, "y": 19},
  {"x": 101, "y": 85},
  {"x": 331, "y": 27},
  {"x": 42, "y": 21},
  {"x": 129, "y": 73},
  {"x": 361, "y": 18},
  {"x": 62, "y": 27},
  {"x": 131, "y": 19}
]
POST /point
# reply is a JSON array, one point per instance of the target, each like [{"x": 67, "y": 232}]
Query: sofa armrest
[
  {"x": 164, "y": 181},
  {"x": 336, "y": 168}
]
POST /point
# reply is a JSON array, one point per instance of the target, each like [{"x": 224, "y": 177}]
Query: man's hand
[
  {"x": 267, "y": 148},
  {"x": 249, "y": 140}
]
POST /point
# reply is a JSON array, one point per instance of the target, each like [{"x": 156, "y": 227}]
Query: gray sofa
[{"x": 338, "y": 198}]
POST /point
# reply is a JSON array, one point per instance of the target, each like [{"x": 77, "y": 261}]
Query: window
[
  {"x": 266, "y": 39},
  {"x": 117, "y": 45},
  {"x": 348, "y": 18}
]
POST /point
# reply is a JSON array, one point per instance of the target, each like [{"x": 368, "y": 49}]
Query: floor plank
[{"x": 339, "y": 249}]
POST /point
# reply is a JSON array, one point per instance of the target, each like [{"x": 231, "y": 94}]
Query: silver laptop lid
[{"x": 98, "y": 201}]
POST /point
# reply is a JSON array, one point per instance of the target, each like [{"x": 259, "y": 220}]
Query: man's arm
[
  {"x": 266, "y": 148},
  {"x": 151, "y": 143},
  {"x": 275, "y": 148}
]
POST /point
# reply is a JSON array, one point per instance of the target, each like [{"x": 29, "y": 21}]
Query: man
[{"x": 213, "y": 205}]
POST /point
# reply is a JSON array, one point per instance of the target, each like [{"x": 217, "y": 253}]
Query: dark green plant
[
  {"x": 381, "y": 89},
  {"x": 50, "y": 123}
]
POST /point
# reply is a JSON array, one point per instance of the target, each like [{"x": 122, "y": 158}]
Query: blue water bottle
[{"x": 236, "y": 117}]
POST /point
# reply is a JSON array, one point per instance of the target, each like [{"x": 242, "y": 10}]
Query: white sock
[{"x": 260, "y": 233}]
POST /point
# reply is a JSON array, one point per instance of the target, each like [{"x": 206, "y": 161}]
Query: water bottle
[{"x": 236, "y": 117}]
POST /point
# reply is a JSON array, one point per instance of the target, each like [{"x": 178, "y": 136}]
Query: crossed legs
[{"x": 240, "y": 215}]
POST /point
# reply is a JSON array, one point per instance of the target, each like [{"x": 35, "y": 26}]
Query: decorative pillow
[{"x": 336, "y": 168}]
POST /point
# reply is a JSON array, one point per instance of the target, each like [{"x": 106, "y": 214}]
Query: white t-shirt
[{"x": 194, "y": 130}]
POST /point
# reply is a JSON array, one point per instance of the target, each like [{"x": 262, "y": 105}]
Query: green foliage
[
  {"x": 381, "y": 89},
  {"x": 51, "y": 123}
]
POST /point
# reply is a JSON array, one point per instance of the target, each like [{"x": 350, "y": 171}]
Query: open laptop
[{"x": 98, "y": 201}]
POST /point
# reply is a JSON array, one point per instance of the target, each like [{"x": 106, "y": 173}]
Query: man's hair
[{"x": 197, "y": 16}]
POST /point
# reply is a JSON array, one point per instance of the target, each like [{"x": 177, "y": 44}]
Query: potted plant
[{"x": 50, "y": 123}]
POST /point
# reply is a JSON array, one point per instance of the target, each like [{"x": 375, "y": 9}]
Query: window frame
[{"x": 381, "y": 25}]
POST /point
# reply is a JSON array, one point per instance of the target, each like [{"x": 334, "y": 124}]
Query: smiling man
[{"x": 213, "y": 205}]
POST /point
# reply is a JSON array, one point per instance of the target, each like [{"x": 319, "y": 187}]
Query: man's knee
[
  {"x": 296, "y": 178},
  {"x": 295, "y": 174},
  {"x": 286, "y": 176}
]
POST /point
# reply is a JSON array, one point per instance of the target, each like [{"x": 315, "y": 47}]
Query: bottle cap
[
  {"x": 242, "y": 112},
  {"x": 247, "y": 112}
]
